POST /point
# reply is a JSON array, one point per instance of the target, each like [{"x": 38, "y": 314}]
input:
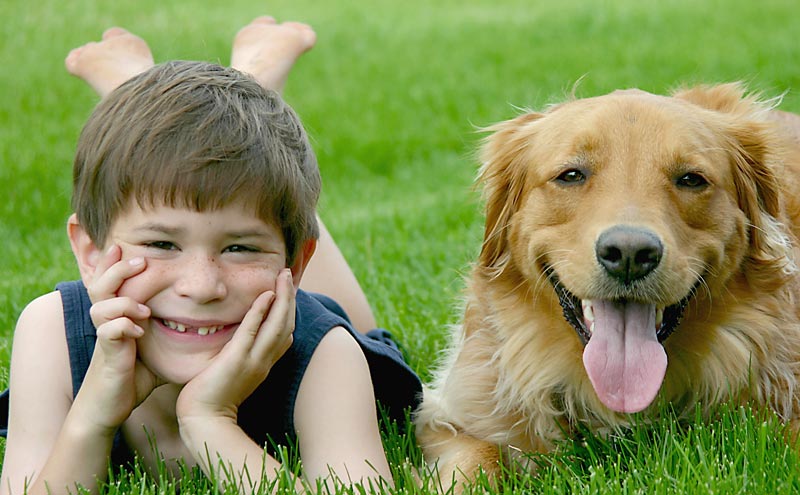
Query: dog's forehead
[
  {"x": 632, "y": 130},
  {"x": 630, "y": 100},
  {"x": 631, "y": 92},
  {"x": 629, "y": 114}
]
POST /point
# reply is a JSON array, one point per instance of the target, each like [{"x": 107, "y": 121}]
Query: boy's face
[{"x": 203, "y": 272}]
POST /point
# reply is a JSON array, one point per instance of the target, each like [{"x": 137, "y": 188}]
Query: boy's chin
[
  {"x": 174, "y": 366},
  {"x": 177, "y": 374},
  {"x": 179, "y": 379}
]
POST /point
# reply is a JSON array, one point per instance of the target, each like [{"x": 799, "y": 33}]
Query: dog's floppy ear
[
  {"x": 755, "y": 152},
  {"x": 726, "y": 98},
  {"x": 503, "y": 178},
  {"x": 756, "y": 184},
  {"x": 770, "y": 255},
  {"x": 751, "y": 140}
]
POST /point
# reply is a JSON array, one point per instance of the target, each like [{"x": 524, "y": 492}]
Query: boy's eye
[
  {"x": 164, "y": 245},
  {"x": 239, "y": 248}
]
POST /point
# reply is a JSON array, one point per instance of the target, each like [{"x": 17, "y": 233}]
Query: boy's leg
[
  {"x": 106, "y": 64},
  {"x": 267, "y": 50},
  {"x": 329, "y": 273},
  {"x": 264, "y": 49}
]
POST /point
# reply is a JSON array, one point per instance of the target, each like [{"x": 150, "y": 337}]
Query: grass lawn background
[{"x": 392, "y": 96}]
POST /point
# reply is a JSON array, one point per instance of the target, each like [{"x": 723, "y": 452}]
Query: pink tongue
[{"x": 623, "y": 358}]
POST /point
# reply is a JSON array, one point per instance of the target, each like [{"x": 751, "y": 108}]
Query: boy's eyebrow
[
  {"x": 239, "y": 234},
  {"x": 170, "y": 230},
  {"x": 159, "y": 227}
]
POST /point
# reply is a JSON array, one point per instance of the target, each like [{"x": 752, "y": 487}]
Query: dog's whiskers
[
  {"x": 544, "y": 279},
  {"x": 700, "y": 277}
]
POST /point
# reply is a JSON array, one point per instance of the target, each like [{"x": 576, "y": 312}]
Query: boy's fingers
[
  {"x": 242, "y": 341},
  {"x": 108, "y": 281},
  {"x": 111, "y": 333},
  {"x": 275, "y": 333},
  {"x": 108, "y": 258},
  {"x": 108, "y": 310},
  {"x": 248, "y": 329},
  {"x": 268, "y": 323}
]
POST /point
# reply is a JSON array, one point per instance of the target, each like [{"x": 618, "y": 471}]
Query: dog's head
[{"x": 631, "y": 205}]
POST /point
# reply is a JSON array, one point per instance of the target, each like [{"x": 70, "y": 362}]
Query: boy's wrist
[
  {"x": 195, "y": 430},
  {"x": 81, "y": 427},
  {"x": 83, "y": 418}
]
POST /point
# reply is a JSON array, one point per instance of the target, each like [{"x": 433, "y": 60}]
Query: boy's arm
[
  {"x": 227, "y": 455},
  {"x": 53, "y": 441},
  {"x": 335, "y": 418},
  {"x": 335, "y": 415},
  {"x": 42, "y": 442}
]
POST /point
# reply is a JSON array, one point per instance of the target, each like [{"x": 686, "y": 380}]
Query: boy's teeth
[
  {"x": 208, "y": 330},
  {"x": 175, "y": 326},
  {"x": 180, "y": 327}
]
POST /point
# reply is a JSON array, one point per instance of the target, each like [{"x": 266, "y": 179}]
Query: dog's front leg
[{"x": 459, "y": 458}]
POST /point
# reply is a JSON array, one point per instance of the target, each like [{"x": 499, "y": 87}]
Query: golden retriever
[{"x": 638, "y": 248}]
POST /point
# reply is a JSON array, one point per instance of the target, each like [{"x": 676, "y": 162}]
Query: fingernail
[
  {"x": 136, "y": 261},
  {"x": 111, "y": 249},
  {"x": 143, "y": 308}
]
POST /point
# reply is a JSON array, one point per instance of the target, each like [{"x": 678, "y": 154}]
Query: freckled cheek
[{"x": 253, "y": 281}]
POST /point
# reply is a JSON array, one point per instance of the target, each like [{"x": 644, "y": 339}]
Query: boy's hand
[
  {"x": 264, "y": 335},
  {"x": 116, "y": 380}
]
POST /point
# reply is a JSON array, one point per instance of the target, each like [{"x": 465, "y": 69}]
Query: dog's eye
[
  {"x": 570, "y": 177},
  {"x": 692, "y": 181}
]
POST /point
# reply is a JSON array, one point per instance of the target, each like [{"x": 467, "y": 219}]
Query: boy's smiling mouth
[{"x": 199, "y": 330}]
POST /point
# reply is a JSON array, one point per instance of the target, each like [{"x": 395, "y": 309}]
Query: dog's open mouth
[
  {"x": 575, "y": 312},
  {"x": 623, "y": 355}
]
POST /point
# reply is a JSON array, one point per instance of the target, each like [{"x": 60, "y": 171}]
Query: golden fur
[{"x": 513, "y": 379}]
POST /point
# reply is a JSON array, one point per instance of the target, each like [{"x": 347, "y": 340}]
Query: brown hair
[{"x": 200, "y": 136}]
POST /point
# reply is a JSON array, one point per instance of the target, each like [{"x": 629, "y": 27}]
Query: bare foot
[
  {"x": 106, "y": 64},
  {"x": 267, "y": 50}
]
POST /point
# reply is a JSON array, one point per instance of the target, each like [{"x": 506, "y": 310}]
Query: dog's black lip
[{"x": 573, "y": 311}]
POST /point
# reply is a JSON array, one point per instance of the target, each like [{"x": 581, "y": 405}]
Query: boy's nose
[{"x": 201, "y": 280}]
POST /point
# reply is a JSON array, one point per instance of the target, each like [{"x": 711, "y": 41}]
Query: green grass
[{"x": 392, "y": 96}]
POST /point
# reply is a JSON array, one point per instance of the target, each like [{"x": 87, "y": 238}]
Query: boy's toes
[
  {"x": 307, "y": 33},
  {"x": 113, "y": 32},
  {"x": 300, "y": 26},
  {"x": 264, "y": 19},
  {"x": 71, "y": 62}
]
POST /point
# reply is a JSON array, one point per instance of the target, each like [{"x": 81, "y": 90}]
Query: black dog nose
[{"x": 628, "y": 253}]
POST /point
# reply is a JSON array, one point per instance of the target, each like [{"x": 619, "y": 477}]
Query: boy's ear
[
  {"x": 301, "y": 261},
  {"x": 86, "y": 253}
]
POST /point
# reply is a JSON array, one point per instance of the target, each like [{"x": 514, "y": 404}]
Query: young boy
[{"x": 194, "y": 198}]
